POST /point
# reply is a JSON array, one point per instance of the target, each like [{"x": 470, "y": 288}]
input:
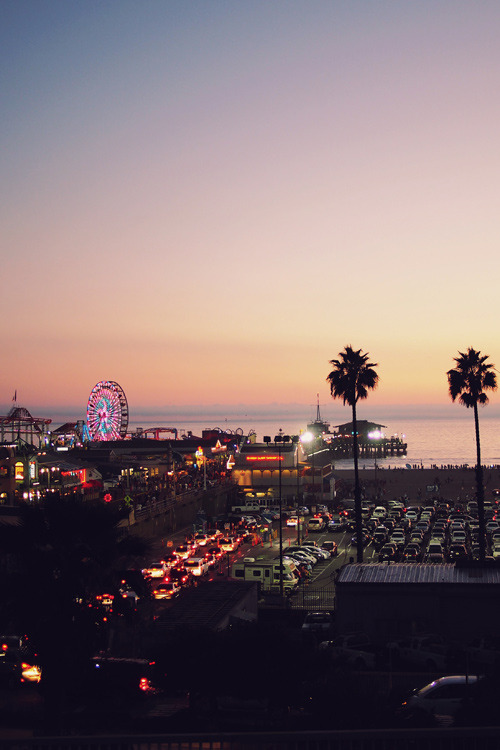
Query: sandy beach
[{"x": 418, "y": 485}]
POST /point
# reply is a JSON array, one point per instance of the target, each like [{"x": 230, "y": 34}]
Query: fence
[
  {"x": 313, "y": 598},
  {"x": 378, "y": 739}
]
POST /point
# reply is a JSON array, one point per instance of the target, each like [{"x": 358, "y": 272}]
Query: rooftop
[{"x": 408, "y": 573}]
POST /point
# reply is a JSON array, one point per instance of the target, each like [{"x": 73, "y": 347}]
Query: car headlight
[{"x": 30, "y": 673}]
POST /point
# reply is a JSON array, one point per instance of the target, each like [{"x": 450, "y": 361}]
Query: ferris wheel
[{"x": 107, "y": 411}]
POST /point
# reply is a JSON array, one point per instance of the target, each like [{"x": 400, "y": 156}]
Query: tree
[
  {"x": 467, "y": 382},
  {"x": 351, "y": 379},
  {"x": 55, "y": 559}
]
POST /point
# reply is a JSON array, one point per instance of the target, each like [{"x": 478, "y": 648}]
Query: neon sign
[{"x": 264, "y": 458}]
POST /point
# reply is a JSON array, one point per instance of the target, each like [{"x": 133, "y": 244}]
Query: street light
[
  {"x": 278, "y": 440},
  {"x": 309, "y": 438},
  {"x": 296, "y": 441}
]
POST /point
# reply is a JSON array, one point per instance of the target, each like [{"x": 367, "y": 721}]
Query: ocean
[
  {"x": 433, "y": 437},
  {"x": 431, "y": 441}
]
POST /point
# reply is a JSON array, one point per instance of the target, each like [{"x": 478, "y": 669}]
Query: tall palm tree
[
  {"x": 351, "y": 379},
  {"x": 468, "y": 381}
]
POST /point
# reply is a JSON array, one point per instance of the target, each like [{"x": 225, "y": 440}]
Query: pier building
[
  {"x": 372, "y": 442},
  {"x": 260, "y": 469}
]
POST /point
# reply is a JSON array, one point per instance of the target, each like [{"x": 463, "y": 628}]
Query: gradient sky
[{"x": 207, "y": 200}]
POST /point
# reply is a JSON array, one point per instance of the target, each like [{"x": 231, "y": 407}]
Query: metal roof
[
  {"x": 206, "y": 605},
  {"x": 397, "y": 573}
]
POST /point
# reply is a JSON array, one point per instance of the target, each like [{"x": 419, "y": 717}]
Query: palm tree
[
  {"x": 468, "y": 382},
  {"x": 351, "y": 379}
]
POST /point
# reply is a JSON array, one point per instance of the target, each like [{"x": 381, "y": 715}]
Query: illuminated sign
[
  {"x": 264, "y": 458},
  {"x": 76, "y": 475}
]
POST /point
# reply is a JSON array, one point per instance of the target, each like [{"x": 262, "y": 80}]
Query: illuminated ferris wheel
[{"x": 107, "y": 411}]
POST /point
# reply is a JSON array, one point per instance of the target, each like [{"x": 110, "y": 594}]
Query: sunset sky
[{"x": 206, "y": 200}]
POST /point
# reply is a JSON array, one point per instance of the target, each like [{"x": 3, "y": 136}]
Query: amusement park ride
[
  {"x": 107, "y": 419},
  {"x": 107, "y": 412},
  {"x": 107, "y": 415}
]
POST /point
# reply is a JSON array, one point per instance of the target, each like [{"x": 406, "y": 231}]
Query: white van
[
  {"x": 198, "y": 566},
  {"x": 315, "y": 524}
]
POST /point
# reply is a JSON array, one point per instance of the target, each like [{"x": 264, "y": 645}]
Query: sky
[{"x": 206, "y": 201}]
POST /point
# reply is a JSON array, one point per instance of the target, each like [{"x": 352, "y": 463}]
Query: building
[
  {"x": 260, "y": 469},
  {"x": 372, "y": 442},
  {"x": 213, "y": 605},
  {"x": 391, "y": 600}
]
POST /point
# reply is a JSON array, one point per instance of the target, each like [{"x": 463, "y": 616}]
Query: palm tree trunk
[
  {"x": 357, "y": 488},
  {"x": 480, "y": 490}
]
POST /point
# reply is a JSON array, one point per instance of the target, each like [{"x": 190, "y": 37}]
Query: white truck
[
  {"x": 267, "y": 574},
  {"x": 354, "y": 649},
  {"x": 424, "y": 651}
]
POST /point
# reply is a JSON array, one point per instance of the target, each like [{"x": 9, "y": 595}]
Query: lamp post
[
  {"x": 278, "y": 439},
  {"x": 267, "y": 439},
  {"x": 309, "y": 438},
  {"x": 296, "y": 441}
]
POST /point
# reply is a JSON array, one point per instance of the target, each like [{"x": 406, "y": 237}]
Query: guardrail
[{"x": 474, "y": 738}]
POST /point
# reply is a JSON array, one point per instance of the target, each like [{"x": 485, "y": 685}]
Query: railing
[
  {"x": 474, "y": 738},
  {"x": 313, "y": 598}
]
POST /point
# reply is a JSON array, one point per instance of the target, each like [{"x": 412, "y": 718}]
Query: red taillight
[{"x": 144, "y": 684}]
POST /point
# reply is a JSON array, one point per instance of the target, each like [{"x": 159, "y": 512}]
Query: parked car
[
  {"x": 457, "y": 552},
  {"x": 398, "y": 537},
  {"x": 412, "y": 553},
  {"x": 483, "y": 653},
  {"x": 439, "y": 702},
  {"x": 388, "y": 553},
  {"x": 331, "y": 546},
  {"x": 354, "y": 649},
  {"x": 424, "y": 652},
  {"x": 380, "y": 537},
  {"x": 365, "y": 539},
  {"x": 317, "y": 623}
]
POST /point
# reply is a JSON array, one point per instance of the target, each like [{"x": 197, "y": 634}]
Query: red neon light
[
  {"x": 80, "y": 473},
  {"x": 264, "y": 458}
]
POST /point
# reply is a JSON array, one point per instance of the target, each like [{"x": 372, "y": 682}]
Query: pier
[{"x": 342, "y": 447}]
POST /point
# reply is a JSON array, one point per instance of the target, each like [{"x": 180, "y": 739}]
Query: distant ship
[{"x": 318, "y": 427}]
